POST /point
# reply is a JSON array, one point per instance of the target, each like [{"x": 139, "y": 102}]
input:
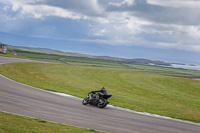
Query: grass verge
[
  {"x": 141, "y": 91},
  {"x": 10, "y": 123}
]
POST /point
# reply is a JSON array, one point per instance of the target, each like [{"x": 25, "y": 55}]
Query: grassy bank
[
  {"x": 9, "y": 54},
  {"x": 141, "y": 91},
  {"x": 10, "y": 123}
]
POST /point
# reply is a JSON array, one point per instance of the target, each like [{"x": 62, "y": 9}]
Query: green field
[
  {"x": 142, "y": 91},
  {"x": 10, "y": 123},
  {"x": 177, "y": 72}
]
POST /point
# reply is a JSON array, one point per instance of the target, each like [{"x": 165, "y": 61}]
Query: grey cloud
[
  {"x": 140, "y": 8},
  {"x": 167, "y": 15},
  {"x": 89, "y": 7},
  {"x": 161, "y": 14}
]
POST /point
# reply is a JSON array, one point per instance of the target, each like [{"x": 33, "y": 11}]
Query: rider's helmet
[{"x": 103, "y": 88}]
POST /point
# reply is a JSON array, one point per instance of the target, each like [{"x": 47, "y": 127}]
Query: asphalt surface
[{"x": 32, "y": 102}]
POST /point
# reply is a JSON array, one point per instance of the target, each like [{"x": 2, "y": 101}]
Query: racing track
[{"x": 29, "y": 101}]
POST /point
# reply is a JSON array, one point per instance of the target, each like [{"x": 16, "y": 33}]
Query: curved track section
[{"x": 32, "y": 102}]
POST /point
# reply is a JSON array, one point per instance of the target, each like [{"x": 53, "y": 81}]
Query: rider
[{"x": 103, "y": 91}]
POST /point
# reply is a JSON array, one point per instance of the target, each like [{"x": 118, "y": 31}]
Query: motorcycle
[{"x": 99, "y": 100}]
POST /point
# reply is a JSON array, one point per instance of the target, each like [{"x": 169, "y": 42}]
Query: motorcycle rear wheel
[{"x": 102, "y": 103}]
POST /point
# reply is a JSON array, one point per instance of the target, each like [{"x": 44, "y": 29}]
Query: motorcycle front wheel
[
  {"x": 85, "y": 101},
  {"x": 102, "y": 103}
]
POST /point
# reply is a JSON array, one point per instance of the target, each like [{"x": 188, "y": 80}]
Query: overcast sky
[{"x": 167, "y": 30}]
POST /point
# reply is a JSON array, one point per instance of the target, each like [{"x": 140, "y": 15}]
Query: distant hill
[{"x": 58, "y": 52}]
